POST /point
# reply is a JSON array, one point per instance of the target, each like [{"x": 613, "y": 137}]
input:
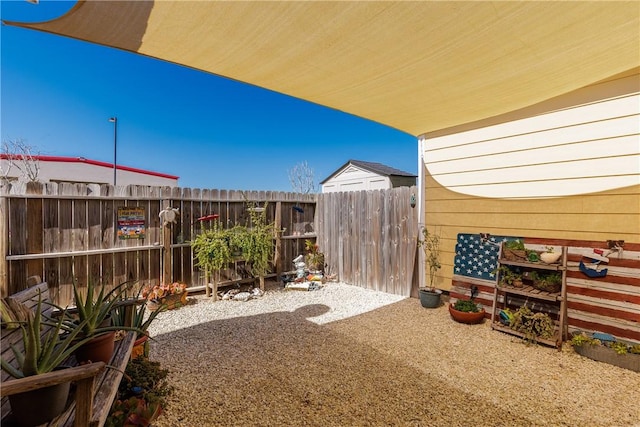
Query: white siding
[
  {"x": 353, "y": 178},
  {"x": 583, "y": 149}
]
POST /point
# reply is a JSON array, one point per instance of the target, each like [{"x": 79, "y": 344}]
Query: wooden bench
[{"x": 96, "y": 385}]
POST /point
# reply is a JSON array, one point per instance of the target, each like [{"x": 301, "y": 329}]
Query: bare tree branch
[
  {"x": 301, "y": 178},
  {"x": 21, "y": 156}
]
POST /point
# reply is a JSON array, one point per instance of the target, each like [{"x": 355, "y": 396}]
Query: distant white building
[
  {"x": 356, "y": 175},
  {"x": 80, "y": 170}
]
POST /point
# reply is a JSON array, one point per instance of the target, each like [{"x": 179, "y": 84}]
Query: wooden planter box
[{"x": 605, "y": 354}]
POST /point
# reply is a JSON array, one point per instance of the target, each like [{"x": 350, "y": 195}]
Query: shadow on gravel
[{"x": 280, "y": 369}]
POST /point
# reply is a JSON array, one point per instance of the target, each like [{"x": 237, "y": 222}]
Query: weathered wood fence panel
[
  {"x": 68, "y": 232},
  {"x": 370, "y": 238}
]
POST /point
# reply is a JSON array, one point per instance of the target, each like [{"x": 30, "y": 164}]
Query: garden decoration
[
  {"x": 593, "y": 261},
  {"x": 210, "y": 217},
  {"x": 550, "y": 256}
]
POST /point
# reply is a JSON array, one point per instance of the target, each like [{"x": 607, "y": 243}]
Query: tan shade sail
[{"x": 415, "y": 66}]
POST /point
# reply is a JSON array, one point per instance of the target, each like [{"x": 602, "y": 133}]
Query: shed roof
[
  {"x": 377, "y": 168},
  {"x": 416, "y": 66}
]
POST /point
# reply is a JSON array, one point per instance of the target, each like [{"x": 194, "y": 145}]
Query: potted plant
[
  {"x": 430, "y": 244},
  {"x": 170, "y": 296},
  {"x": 45, "y": 349},
  {"x": 142, "y": 394},
  {"x": 212, "y": 249},
  {"x": 258, "y": 244},
  {"x": 608, "y": 349},
  {"x": 509, "y": 277},
  {"x": 467, "y": 311},
  {"x": 514, "y": 250},
  {"x": 531, "y": 324},
  {"x": 140, "y": 319},
  {"x": 313, "y": 258},
  {"x": 549, "y": 282},
  {"x": 92, "y": 315}
]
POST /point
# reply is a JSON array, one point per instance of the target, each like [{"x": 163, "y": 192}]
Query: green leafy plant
[
  {"x": 45, "y": 346},
  {"x": 430, "y": 244},
  {"x": 313, "y": 258},
  {"x": 151, "y": 379},
  {"x": 92, "y": 313},
  {"x": 212, "y": 247},
  {"x": 508, "y": 277},
  {"x": 141, "y": 319},
  {"x": 466, "y": 306},
  {"x": 549, "y": 282},
  {"x": 133, "y": 411},
  {"x": 620, "y": 347},
  {"x": 515, "y": 245},
  {"x": 581, "y": 339},
  {"x": 258, "y": 246},
  {"x": 532, "y": 325},
  {"x": 142, "y": 394}
]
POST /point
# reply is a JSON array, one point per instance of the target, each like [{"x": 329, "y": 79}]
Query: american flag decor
[{"x": 475, "y": 258}]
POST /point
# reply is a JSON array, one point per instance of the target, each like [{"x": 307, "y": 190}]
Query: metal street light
[{"x": 114, "y": 120}]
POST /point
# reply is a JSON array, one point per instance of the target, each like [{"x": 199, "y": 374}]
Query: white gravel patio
[{"x": 345, "y": 356}]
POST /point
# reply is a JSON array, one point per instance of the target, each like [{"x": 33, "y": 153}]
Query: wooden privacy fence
[
  {"x": 65, "y": 232},
  {"x": 370, "y": 238}
]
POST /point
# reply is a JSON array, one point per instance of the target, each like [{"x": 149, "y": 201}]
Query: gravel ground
[{"x": 345, "y": 356}]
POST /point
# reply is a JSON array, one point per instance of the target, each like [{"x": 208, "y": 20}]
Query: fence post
[
  {"x": 166, "y": 253},
  {"x": 4, "y": 244}
]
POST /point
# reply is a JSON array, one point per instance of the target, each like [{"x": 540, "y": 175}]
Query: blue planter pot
[{"x": 430, "y": 299}]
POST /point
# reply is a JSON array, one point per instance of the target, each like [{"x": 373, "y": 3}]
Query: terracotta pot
[
  {"x": 99, "y": 349},
  {"x": 466, "y": 317},
  {"x": 49, "y": 401},
  {"x": 141, "y": 348}
]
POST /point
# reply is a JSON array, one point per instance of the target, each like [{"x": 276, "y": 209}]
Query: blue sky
[{"x": 57, "y": 95}]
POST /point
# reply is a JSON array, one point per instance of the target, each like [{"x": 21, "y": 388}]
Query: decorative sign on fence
[{"x": 131, "y": 223}]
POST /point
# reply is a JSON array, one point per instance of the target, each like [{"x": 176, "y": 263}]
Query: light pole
[{"x": 114, "y": 120}]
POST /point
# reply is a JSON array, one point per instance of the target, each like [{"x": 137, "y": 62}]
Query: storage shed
[{"x": 356, "y": 175}]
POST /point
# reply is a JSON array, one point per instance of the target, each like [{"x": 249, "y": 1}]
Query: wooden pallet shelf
[{"x": 557, "y": 299}]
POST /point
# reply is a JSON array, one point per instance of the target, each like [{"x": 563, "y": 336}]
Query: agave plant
[
  {"x": 93, "y": 311},
  {"x": 140, "y": 320},
  {"x": 43, "y": 350}
]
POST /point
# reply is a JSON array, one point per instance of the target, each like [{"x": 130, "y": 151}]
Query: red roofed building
[{"x": 80, "y": 170}]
